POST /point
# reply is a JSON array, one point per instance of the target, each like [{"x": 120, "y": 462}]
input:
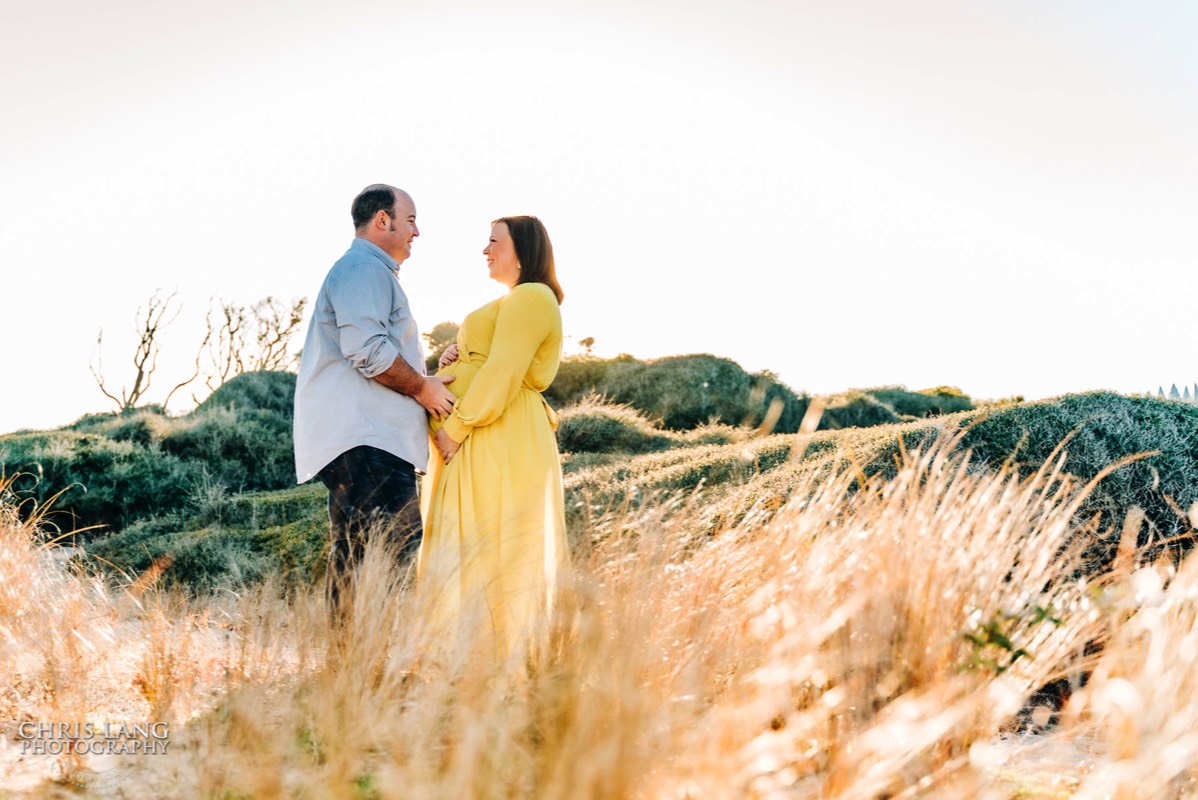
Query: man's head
[{"x": 386, "y": 216}]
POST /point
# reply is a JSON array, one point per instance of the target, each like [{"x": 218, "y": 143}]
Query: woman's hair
[{"x": 534, "y": 251}]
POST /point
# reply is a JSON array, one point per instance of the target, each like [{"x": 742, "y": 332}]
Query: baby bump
[{"x": 463, "y": 373}]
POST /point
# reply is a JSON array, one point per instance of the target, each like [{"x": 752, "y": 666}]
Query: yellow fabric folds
[{"x": 494, "y": 531}]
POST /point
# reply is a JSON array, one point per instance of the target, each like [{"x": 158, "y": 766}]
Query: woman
[{"x": 494, "y": 517}]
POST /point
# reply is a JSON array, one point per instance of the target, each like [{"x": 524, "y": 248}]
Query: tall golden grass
[{"x": 872, "y": 639}]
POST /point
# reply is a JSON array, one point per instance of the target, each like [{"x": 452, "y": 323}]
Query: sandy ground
[{"x": 1026, "y": 766}]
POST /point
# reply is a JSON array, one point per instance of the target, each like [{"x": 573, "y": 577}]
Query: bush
[
  {"x": 685, "y": 392},
  {"x": 103, "y": 482},
  {"x": 681, "y": 392},
  {"x": 716, "y": 433},
  {"x": 201, "y": 561},
  {"x": 118, "y": 468},
  {"x": 437, "y": 340},
  {"x": 857, "y": 409},
  {"x": 887, "y": 405},
  {"x": 267, "y": 532},
  {"x": 144, "y": 426},
  {"x": 924, "y": 403},
  {"x": 272, "y": 533},
  {"x": 594, "y": 426},
  {"x": 579, "y": 376},
  {"x": 269, "y": 392},
  {"x": 1105, "y": 428},
  {"x": 247, "y": 450}
]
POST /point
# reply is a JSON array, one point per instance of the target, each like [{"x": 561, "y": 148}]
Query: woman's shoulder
[{"x": 533, "y": 293}]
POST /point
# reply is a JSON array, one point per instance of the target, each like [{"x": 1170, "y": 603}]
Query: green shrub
[
  {"x": 682, "y": 392},
  {"x": 436, "y": 341},
  {"x": 299, "y": 549},
  {"x": 685, "y": 392},
  {"x": 247, "y": 449},
  {"x": 579, "y": 376},
  {"x": 1105, "y": 428},
  {"x": 286, "y": 531},
  {"x": 594, "y": 426},
  {"x": 924, "y": 403},
  {"x": 261, "y": 510},
  {"x": 888, "y": 405},
  {"x": 270, "y": 533},
  {"x": 118, "y": 468},
  {"x": 103, "y": 482},
  {"x": 857, "y": 409},
  {"x": 143, "y": 426},
  {"x": 272, "y": 392},
  {"x": 715, "y": 433},
  {"x": 201, "y": 560}
]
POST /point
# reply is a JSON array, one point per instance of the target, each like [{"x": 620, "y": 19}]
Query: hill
[
  {"x": 109, "y": 471},
  {"x": 728, "y": 476},
  {"x": 213, "y": 491}
]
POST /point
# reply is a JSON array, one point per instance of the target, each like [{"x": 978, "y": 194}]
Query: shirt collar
[{"x": 370, "y": 248}]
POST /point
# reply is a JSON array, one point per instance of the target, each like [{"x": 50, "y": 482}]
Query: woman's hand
[
  {"x": 449, "y": 356},
  {"x": 446, "y": 445}
]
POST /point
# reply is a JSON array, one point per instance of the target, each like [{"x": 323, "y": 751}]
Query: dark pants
[{"x": 371, "y": 493}]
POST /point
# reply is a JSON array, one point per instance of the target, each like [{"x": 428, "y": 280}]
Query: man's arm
[
  {"x": 361, "y": 299},
  {"x": 428, "y": 391}
]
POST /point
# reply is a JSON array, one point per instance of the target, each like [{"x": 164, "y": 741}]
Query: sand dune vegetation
[{"x": 894, "y": 611}]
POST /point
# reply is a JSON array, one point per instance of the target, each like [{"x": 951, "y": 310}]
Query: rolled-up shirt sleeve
[{"x": 362, "y": 305}]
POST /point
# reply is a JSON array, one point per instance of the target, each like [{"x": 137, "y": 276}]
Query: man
[{"x": 361, "y": 397}]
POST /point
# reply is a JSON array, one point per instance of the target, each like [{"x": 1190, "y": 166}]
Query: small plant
[{"x": 994, "y": 640}]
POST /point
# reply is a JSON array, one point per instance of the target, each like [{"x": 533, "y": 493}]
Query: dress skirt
[{"x": 495, "y": 532}]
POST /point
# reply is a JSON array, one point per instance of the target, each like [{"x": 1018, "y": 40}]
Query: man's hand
[
  {"x": 448, "y": 357},
  {"x": 429, "y": 392},
  {"x": 435, "y": 398},
  {"x": 446, "y": 445}
]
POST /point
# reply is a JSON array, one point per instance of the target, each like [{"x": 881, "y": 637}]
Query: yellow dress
[{"x": 494, "y": 517}]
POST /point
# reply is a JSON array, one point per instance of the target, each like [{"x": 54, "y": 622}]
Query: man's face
[{"x": 401, "y": 229}]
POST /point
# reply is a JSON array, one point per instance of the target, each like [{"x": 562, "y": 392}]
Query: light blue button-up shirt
[{"x": 361, "y": 321}]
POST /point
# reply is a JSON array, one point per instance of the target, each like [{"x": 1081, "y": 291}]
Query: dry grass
[{"x": 865, "y": 643}]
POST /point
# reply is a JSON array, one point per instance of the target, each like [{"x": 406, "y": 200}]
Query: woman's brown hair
[{"x": 534, "y": 251}]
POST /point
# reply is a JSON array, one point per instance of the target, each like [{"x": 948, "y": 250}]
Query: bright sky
[{"x": 998, "y": 196}]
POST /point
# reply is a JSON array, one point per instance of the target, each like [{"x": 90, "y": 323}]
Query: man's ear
[{"x": 380, "y": 220}]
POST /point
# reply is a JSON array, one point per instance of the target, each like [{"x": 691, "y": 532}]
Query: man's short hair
[{"x": 370, "y": 201}]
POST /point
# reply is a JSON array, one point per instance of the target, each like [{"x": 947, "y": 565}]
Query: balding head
[
  {"x": 373, "y": 199},
  {"x": 386, "y": 217}
]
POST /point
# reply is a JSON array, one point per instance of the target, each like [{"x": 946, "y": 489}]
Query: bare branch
[
  {"x": 97, "y": 369},
  {"x": 148, "y": 324},
  {"x": 226, "y": 342},
  {"x": 243, "y": 339},
  {"x": 276, "y": 324},
  {"x": 195, "y": 374},
  {"x": 145, "y": 357}
]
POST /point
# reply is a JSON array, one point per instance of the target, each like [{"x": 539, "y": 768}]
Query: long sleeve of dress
[{"x": 525, "y": 320}]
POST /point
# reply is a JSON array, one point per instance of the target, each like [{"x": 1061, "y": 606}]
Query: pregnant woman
[{"x": 494, "y": 531}]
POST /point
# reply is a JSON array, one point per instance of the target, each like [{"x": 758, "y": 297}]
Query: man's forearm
[{"x": 401, "y": 377}]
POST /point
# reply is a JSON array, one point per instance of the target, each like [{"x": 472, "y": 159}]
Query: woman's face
[{"x": 501, "y": 256}]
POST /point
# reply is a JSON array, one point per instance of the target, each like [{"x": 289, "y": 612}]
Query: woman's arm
[{"x": 527, "y": 317}]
